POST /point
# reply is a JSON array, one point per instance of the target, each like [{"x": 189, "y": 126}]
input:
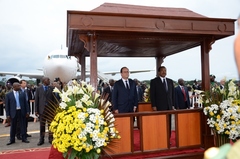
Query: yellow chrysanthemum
[{"x": 81, "y": 124}]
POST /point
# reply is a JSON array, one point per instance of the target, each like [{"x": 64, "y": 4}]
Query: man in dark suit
[
  {"x": 17, "y": 110},
  {"x": 124, "y": 95},
  {"x": 162, "y": 93},
  {"x": 23, "y": 84},
  {"x": 182, "y": 100},
  {"x": 44, "y": 100}
]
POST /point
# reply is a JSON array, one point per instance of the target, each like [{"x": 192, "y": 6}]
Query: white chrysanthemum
[
  {"x": 82, "y": 116},
  {"x": 92, "y": 118},
  {"x": 88, "y": 128}
]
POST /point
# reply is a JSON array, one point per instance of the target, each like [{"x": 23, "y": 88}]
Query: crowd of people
[
  {"x": 123, "y": 94},
  {"x": 16, "y": 98}
]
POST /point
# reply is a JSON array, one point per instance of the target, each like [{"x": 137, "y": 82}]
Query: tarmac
[{"x": 33, "y": 130}]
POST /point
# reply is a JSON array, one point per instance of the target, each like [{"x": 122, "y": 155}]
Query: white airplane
[{"x": 57, "y": 64}]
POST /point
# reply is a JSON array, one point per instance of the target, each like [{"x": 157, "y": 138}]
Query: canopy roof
[{"x": 140, "y": 31}]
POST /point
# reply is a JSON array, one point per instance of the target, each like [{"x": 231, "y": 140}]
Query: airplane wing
[
  {"x": 20, "y": 74},
  {"x": 135, "y": 71}
]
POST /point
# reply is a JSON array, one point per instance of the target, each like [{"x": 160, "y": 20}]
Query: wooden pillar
[
  {"x": 93, "y": 60},
  {"x": 205, "y": 49},
  {"x": 159, "y": 61},
  {"x": 83, "y": 67}
]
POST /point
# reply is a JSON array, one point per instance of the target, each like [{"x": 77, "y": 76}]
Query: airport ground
[{"x": 33, "y": 130}]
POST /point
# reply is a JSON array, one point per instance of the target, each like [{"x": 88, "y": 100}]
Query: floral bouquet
[
  {"x": 83, "y": 124},
  {"x": 222, "y": 106},
  {"x": 146, "y": 95}
]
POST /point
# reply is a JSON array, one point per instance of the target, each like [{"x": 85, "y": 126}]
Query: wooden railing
[{"x": 153, "y": 129}]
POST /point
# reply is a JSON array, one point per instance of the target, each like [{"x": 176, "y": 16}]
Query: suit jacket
[
  {"x": 30, "y": 94},
  {"x": 107, "y": 92},
  {"x": 160, "y": 98},
  {"x": 123, "y": 99},
  {"x": 11, "y": 106},
  {"x": 179, "y": 98},
  {"x": 139, "y": 93},
  {"x": 44, "y": 98}
]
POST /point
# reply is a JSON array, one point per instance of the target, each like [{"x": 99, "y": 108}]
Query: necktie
[
  {"x": 165, "y": 84},
  {"x": 184, "y": 94},
  {"x": 45, "y": 88},
  {"x": 127, "y": 86},
  {"x": 17, "y": 100}
]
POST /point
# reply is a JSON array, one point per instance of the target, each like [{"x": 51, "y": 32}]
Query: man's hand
[
  {"x": 9, "y": 119},
  {"x": 27, "y": 115},
  {"x": 134, "y": 109},
  {"x": 116, "y": 111},
  {"x": 173, "y": 108}
]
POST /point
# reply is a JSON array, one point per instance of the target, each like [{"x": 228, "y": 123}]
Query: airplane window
[
  {"x": 62, "y": 56},
  {"x": 55, "y": 56}
]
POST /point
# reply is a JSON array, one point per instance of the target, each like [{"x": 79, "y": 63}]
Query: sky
[{"x": 30, "y": 29}]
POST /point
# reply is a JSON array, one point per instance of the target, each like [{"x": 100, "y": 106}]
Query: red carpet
[
  {"x": 43, "y": 153},
  {"x": 35, "y": 153}
]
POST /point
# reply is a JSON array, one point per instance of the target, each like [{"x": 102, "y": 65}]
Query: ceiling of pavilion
[{"x": 146, "y": 32}]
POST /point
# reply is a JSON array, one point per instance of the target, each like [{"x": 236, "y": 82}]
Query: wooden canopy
[{"x": 118, "y": 30}]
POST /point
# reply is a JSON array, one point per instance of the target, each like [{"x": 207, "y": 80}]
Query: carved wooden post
[
  {"x": 93, "y": 60},
  {"x": 205, "y": 48}
]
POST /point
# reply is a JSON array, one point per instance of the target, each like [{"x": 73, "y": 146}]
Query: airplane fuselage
[{"x": 58, "y": 64}]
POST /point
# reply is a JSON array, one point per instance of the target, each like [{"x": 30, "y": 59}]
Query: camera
[{"x": 56, "y": 79}]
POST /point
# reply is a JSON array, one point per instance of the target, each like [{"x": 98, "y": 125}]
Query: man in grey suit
[
  {"x": 44, "y": 100},
  {"x": 124, "y": 95},
  {"x": 17, "y": 110}
]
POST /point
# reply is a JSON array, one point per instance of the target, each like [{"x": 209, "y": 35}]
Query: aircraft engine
[{"x": 13, "y": 79}]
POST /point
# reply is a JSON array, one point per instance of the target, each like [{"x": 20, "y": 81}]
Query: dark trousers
[
  {"x": 43, "y": 122},
  {"x": 170, "y": 125},
  {"x": 1, "y": 109},
  {"x": 21, "y": 120}
]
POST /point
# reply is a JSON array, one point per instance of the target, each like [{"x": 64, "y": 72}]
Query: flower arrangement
[
  {"x": 222, "y": 106},
  {"x": 83, "y": 124},
  {"x": 146, "y": 95}
]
